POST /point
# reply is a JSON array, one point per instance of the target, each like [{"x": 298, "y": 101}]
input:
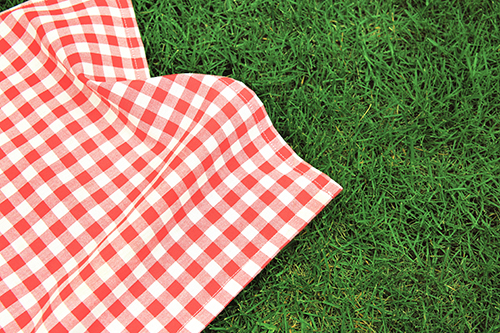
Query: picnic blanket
[{"x": 130, "y": 203}]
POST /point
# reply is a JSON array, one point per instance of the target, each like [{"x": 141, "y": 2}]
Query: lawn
[{"x": 399, "y": 102}]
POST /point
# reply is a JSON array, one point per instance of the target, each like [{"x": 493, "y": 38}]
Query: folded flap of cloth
[{"x": 130, "y": 203}]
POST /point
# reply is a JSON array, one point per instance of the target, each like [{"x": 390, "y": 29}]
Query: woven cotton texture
[{"x": 130, "y": 203}]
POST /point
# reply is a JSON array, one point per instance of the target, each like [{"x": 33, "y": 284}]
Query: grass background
[{"x": 399, "y": 102}]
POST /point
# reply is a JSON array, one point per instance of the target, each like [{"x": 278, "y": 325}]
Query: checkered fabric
[{"x": 130, "y": 203}]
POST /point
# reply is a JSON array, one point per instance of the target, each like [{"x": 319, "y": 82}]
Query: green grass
[{"x": 399, "y": 102}]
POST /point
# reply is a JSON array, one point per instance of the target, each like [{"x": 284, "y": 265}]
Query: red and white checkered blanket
[{"x": 130, "y": 203}]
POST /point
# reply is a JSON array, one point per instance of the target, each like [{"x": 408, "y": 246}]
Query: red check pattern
[{"x": 130, "y": 203}]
